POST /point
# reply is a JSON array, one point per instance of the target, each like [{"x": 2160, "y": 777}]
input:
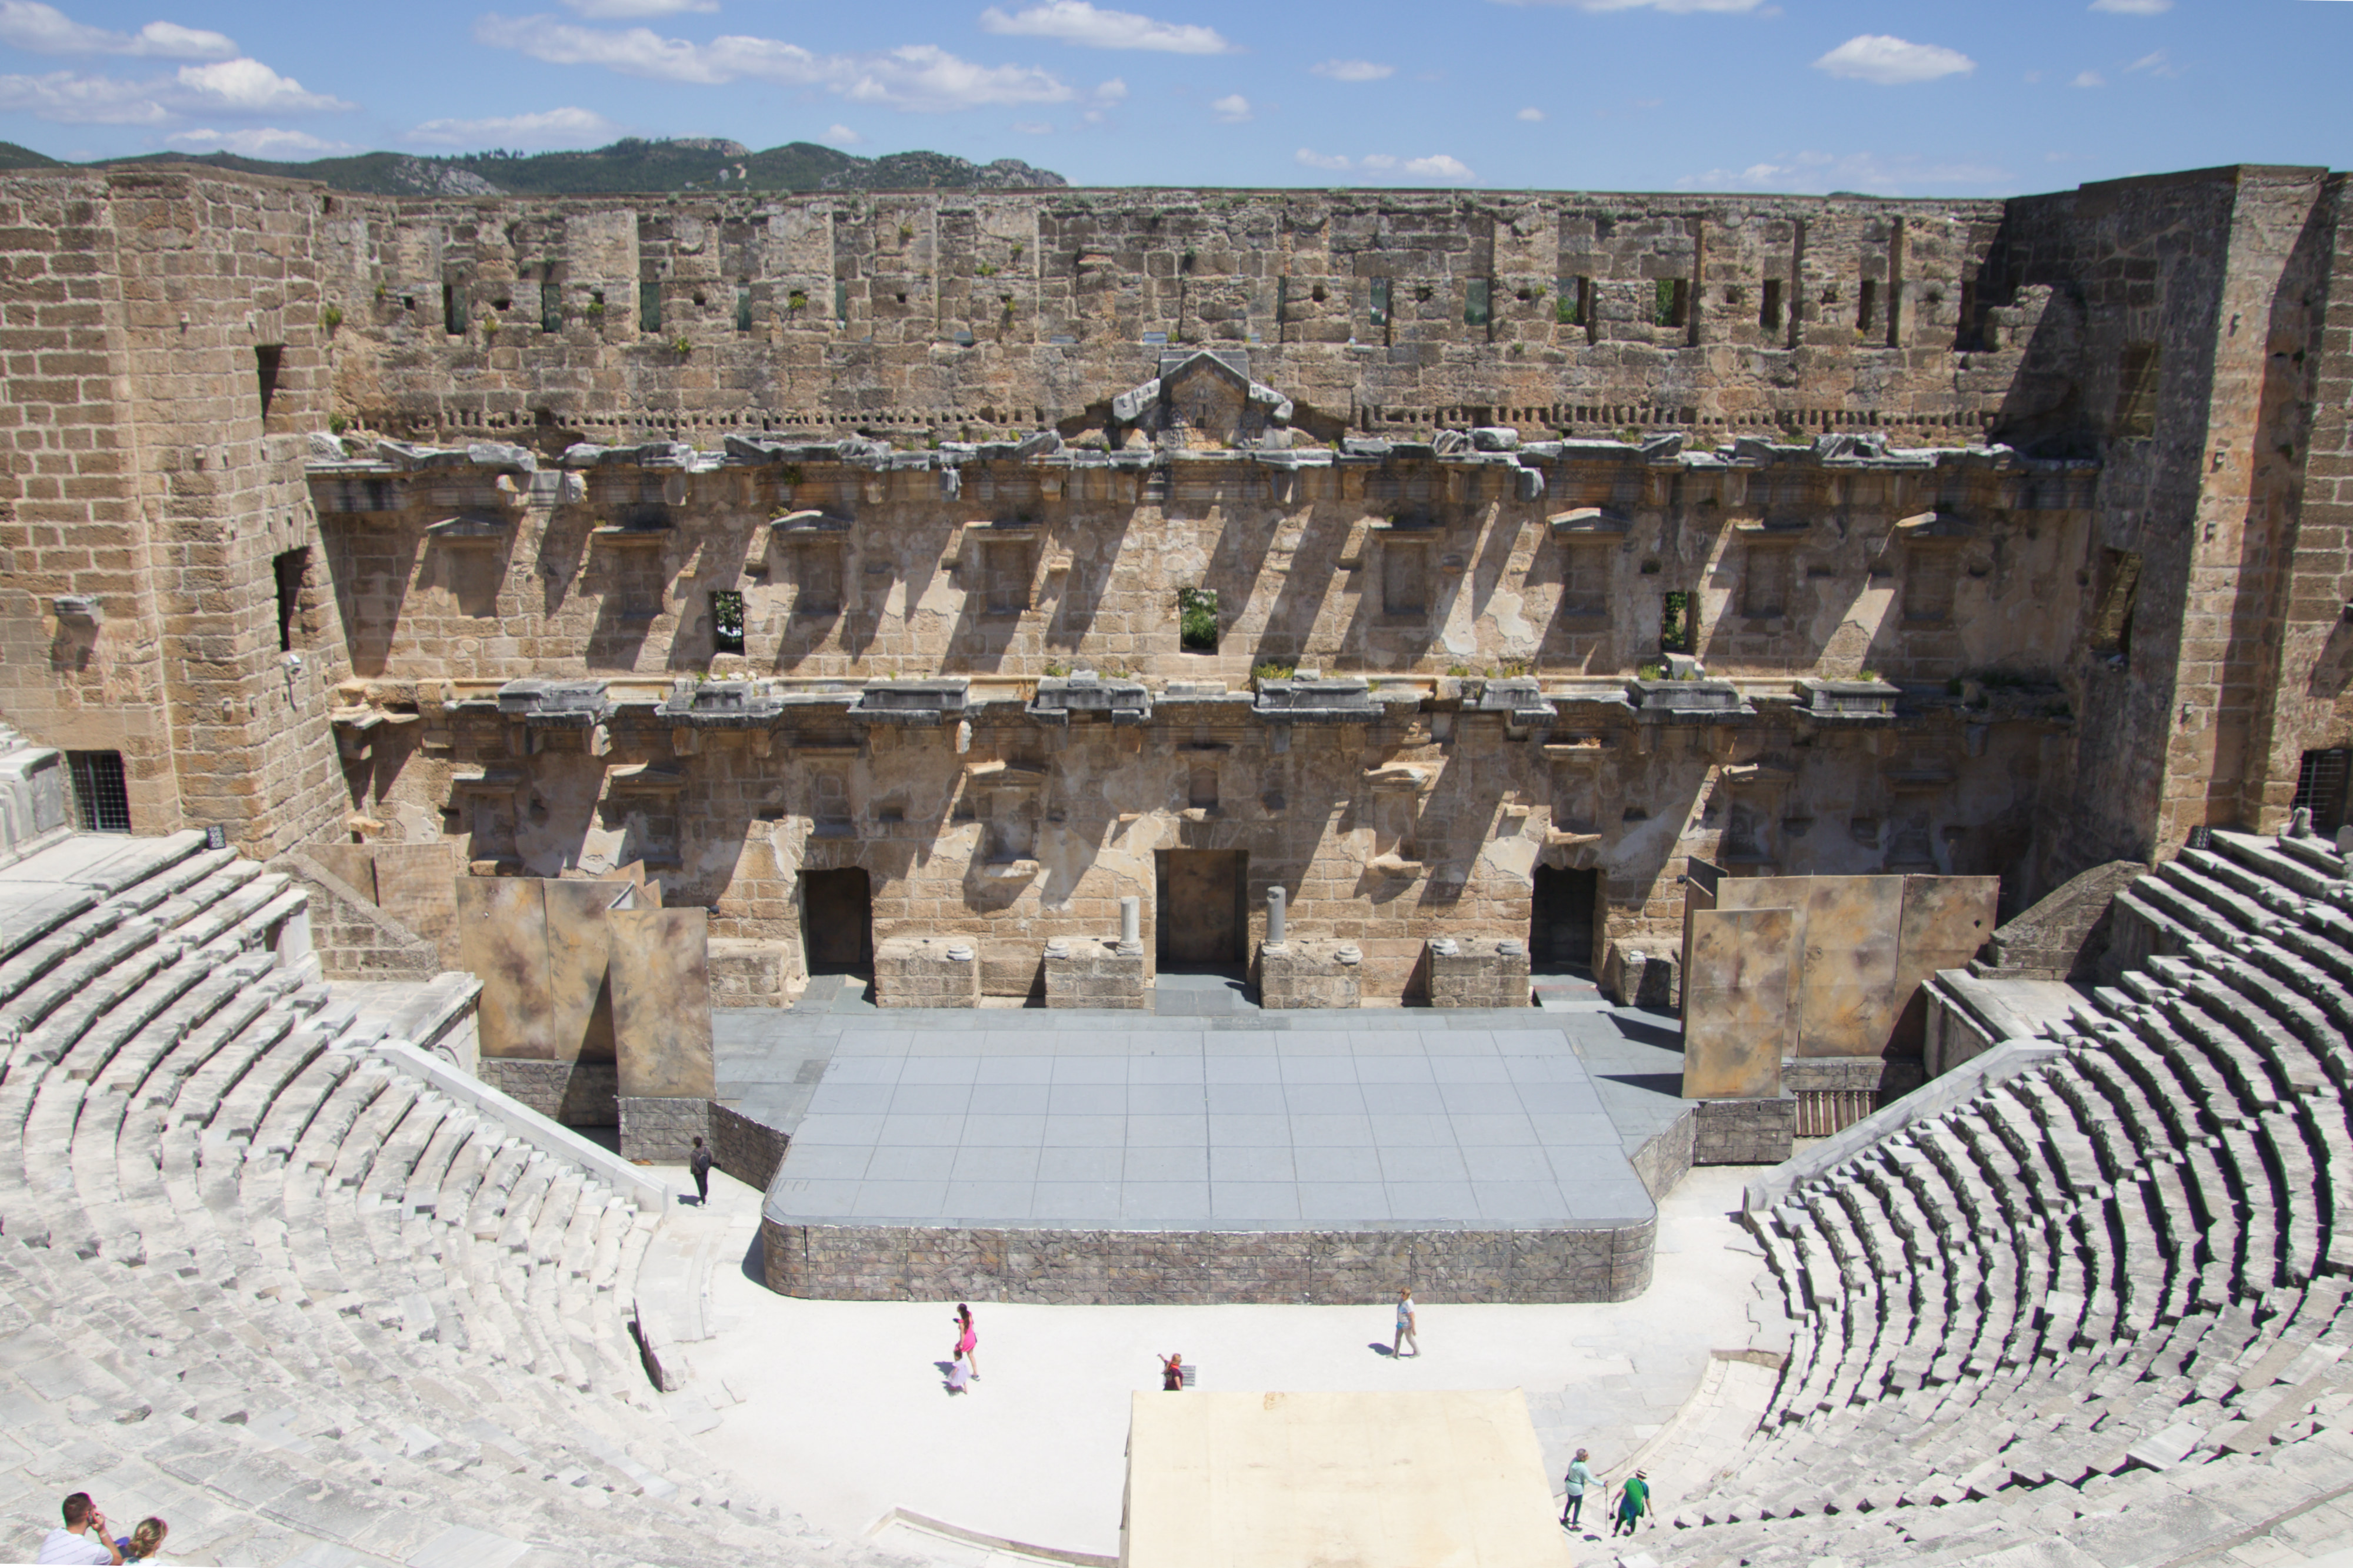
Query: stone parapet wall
[
  {"x": 916, "y": 971},
  {"x": 746, "y": 1148},
  {"x": 753, "y": 973},
  {"x": 1096, "y": 974},
  {"x": 1126, "y": 1268},
  {"x": 578, "y": 1094},
  {"x": 355, "y": 939},
  {"x": 1481, "y": 973},
  {"x": 662, "y": 1128},
  {"x": 1743, "y": 1132},
  {"x": 1666, "y": 1158},
  {"x": 1309, "y": 974}
]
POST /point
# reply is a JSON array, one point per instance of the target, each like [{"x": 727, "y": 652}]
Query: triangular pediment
[{"x": 1203, "y": 399}]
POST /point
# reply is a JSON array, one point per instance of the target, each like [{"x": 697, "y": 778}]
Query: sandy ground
[{"x": 844, "y": 1412}]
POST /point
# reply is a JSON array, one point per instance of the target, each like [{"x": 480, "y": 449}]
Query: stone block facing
[
  {"x": 1095, "y": 975},
  {"x": 916, "y": 971},
  {"x": 1744, "y": 1132},
  {"x": 1309, "y": 974},
  {"x": 1637, "y": 977},
  {"x": 752, "y": 974},
  {"x": 578, "y": 1094},
  {"x": 1482, "y": 972},
  {"x": 1129, "y": 1267},
  {"x": 748, "y": 1150},
  {"x": 662, "y": 1130}
]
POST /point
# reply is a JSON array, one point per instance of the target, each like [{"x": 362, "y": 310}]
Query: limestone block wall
[{"x": 948, "y": 313}]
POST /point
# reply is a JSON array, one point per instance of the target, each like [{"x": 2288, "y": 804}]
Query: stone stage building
[{"x": 873, "y": 568}]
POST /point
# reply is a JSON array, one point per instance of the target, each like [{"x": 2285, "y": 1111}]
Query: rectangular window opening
[
  {"x": 1866, "y": 308},
  {"x": 1201, "y": 787},
  {"x": 1006, "y": 568},
  {"x": 650, "y": 314},
  {"x": 2119, "y": 588},
  {"x": 1671, "y": 302},
  {"x": 453, "y": 310},
  {"x": 1768, "y": 310},
  {"x": 1675, "y": 632},
  {"x": 1966, "y": 330},
  {"x": 1479, "y": 302},
  {"x": 743, "y": 309},
  {"x": 1405, "y": 578},
  {"x": 2136, "y": 373},
  {"x": 292, "y": 568},
  {"x": 1196, "y": 620},
  {"x": 1568, "y": 303},
  {"x": 1379, "y": 303},
  {"x": 551, "y": 306},
  {"x": 101, "y": 798},
  {"x": 265, "y": 360},
  {"x": 2320, "y": 787},
  {"x": 726, "y": 621}
]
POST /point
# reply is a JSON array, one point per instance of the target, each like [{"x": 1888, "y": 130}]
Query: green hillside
[{"x": 629, "y": 165}]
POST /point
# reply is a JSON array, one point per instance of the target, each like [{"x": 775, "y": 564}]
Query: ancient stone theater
[{"x": 451, "y": 645}]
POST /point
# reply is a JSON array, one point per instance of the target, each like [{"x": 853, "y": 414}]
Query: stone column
[
  {"x": 1130, "y": 926},
  {"x": 1275, "y": 900}
]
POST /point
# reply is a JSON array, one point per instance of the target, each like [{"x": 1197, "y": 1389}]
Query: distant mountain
[{"x": 692, "y": 163}]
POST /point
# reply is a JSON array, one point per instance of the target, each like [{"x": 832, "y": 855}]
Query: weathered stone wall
[
  {"x": 947, "y": 315},
  {"x": 748, "y": 1150},
  {"x": 1743, "y": 1132},
  {"x": 1131, "y": 1267},
  {"x": 353, "y": 939}
]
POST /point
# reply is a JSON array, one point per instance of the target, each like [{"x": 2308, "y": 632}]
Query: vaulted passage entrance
[
  {"x": 1200, "y": 906},
  {"x": 1560, "y": 926},
  {"x": 837, "y": 922}
]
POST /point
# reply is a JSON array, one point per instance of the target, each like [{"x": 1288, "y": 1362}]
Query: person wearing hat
[
  {"x": 1633, "y": 1502},
  {"x": 1579, "y": 1477}
]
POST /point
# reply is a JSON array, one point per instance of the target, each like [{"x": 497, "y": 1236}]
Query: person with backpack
[{"x": 699, "y": 1162}]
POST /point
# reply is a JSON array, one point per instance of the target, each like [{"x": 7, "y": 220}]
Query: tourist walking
[
  {"x": 83, "y": 1539},
  {"x": 967, "y": 1338},
  {"x": 1172, "y": 1373},
  {"x": 1572, "y": 1507},
  {"x": 1633, "y": 1502},
  {"x": 1405, "y": 1326},
  {"x": 146, "y": 1541},
  {"x": 699, "y": 1162}
]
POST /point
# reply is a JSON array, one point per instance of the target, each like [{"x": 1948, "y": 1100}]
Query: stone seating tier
[
  {"x": 261, "y": 1277},
  {"x": 2102, "y": 1300}
]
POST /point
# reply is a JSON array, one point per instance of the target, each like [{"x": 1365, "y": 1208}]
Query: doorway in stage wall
[
  {"x": 1561, "y": 923},
  {"x": 1201, "y": 923},
  {"x": 837, "y": 922}
]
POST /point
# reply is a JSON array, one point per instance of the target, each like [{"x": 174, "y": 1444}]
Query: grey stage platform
[{"x": 1408, "y": 1123}]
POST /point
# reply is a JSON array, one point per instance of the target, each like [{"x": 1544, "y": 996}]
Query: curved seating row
[
  {"x": 2107, "y": 1295},
  {"x": 259, "y": 1277}
]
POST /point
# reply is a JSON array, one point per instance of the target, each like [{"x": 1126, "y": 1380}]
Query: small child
[{"x": 959, "y": 1375}]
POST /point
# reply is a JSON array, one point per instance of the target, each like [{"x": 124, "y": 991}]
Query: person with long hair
[
  {"x": 967, "y": 1338},
  {"x": 146, "y": 1541}
]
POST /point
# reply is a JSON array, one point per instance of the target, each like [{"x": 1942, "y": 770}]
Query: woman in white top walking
[{"x": 1405, "y": 1334}]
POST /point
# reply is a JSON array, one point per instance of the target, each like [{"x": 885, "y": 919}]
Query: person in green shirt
[
  {"x": 1633, "y": 1502},
  {"x": 1579, "y": 1477}
]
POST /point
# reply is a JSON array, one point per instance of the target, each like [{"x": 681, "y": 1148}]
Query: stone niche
[{"x": 1478, "y": 971}]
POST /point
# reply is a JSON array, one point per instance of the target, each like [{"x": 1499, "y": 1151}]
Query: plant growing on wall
[
  {"x": 681, "y": 346},
  {"x": 332, "y": 317},
  {"x": 1196, "y": 620},
  {"x": 1674, "y": 621}
]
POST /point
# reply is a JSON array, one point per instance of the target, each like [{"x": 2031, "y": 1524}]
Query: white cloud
[
  {"x": 45, "y": 31},
  {"x": 548, "y": 128},
  {"x": 2134, "y": 8},
  {"x": 1672, "y": 7},
  {"x": 842, "y": 136},
  {"x": 626, "y": 10},
  {"x": 260, "y": 141},
  {"x": 918, "y": 77},
  {"x": 1076, "y": 22},
  {"x": 2089, "y": 79},
  {"x": 1876, "y": 57},
  {"x": 1233, "y": 109},
  {"x": 229, "y": 87},
  {"x": 1437, "y": 167},
  {"x": 1112, "y": 91},
  {"x": 1352, "y": 71},
  {"x": 2156, "y": 64},
  {"x": 1533, "y": 116},
  {"x": 1812, "y": 172}
]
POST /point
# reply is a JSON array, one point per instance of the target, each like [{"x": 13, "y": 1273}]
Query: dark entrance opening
[
  {"x": 1560, "y": 926},
  {"x": 1199, "y": 910},
  {"x": 2320, "y": 787},
  {"x": 838, "y": 921}
]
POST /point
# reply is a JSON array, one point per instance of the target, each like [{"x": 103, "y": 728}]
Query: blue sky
[{"x": 1986, "y": 97}]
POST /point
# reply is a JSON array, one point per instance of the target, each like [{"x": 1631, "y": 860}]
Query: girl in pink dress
[{"x": 967, "y": 1338}]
